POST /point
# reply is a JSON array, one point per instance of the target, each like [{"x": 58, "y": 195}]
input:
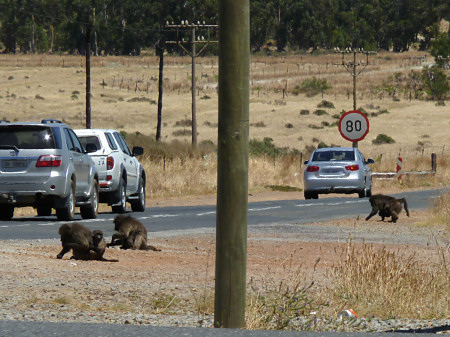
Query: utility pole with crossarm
[{"x": 181, "y": 29}]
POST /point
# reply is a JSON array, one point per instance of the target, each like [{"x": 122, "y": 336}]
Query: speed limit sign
[{"x": 354, "y": 125}]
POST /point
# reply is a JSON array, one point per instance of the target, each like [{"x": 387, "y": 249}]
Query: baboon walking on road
[
  {"x": 131, "y": 234},
  {"x": 85, "y": 244},
  {"x": 387, "y": 206}
]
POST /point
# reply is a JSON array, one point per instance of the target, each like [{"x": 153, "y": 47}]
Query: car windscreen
[
  {"x": 27, "y": 137},
  {"x": 334, "y": 155},
  {"x": 90, "y": 139}
]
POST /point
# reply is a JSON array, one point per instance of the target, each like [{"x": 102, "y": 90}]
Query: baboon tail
[
  {"x": 108, "y": 260},
  {"x": 150, "y": 247},
  {"x": 405, "y": 205}
]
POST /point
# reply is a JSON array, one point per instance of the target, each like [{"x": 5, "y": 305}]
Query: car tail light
[
  {"x": 50, "y": 160},
  {"x": 108, "y": 177},
  {"x": 312, "y": 169},
  {"x": 109, "y": 163},
  {"x": 352, "y": 167}
]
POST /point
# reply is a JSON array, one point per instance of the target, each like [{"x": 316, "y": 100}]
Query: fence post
[{"x": 433, "y": 162}]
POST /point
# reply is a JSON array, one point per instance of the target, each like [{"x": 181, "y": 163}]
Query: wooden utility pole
[
  {"x": 232, "y": 170},
  {"x": 351, "y": 68},
  {"x": 88, "y": 73},
  {"x": 160, "y": 52},
  {"x": 193, "y": 27}
]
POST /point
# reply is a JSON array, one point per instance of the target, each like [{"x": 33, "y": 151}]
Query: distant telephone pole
[
  {"x": 351, "y": 65},
  {"x": 181, "y": 29}
]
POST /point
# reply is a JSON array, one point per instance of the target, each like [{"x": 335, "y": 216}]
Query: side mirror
[
  {"x": 370, "y": 161},
  {"x": 138, "y": 151},
  {"x": 91, "y": 147}
]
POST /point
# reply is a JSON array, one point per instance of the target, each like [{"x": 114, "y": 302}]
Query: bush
[
  {"x": 304, "y": 112},
  {"x": 435, "y": 83},
  {"x": 326, "y": 104},
  {"x": 383, "y": 139},
  {"x": 312, "y": 87},
  {"x": 320, "y": 112},
  {"x": 265, "y": 147}
]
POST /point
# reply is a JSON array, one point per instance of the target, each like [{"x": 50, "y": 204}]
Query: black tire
[
  {"x": 67, "y": 213},
  {"x": 91, "y": 211},
  {"x": 362, "y": 193},
  {"x": 122, "y": 194},
  {"x": 6, "y": 212},
  {"x": 44, "y": 210},
  {"x": 369, "y": 193},
  {"x": 315, "y": 195},
  {"x": 307, "y": 195},
  {"x": 139, "y": 204}
]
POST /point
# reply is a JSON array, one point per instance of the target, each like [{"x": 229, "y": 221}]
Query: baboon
[
  {"x": 387, "y": 206},
  {"x": 131, "y": 234},
  {"x": 85, "y": 244}
]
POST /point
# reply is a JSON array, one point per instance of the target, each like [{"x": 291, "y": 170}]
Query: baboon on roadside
[
  {"x": 131, "y": 234},
  {"x": 387, "y": 206},
  {"x": 85, "y": 244}
]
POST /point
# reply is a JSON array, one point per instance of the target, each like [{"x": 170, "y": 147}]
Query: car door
[
  {"x": 129, "y": 162},
  {"x": 80, "y": 162}
]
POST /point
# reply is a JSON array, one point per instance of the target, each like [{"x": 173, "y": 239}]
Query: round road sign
[{"x": 354, "y": 125}]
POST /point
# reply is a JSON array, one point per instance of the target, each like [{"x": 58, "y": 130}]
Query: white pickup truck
[{"x": 122, "y": 178}]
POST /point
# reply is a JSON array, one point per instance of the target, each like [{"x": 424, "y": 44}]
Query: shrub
[
  {"x": 326, "y": 104},
  {"x": 265, "y": 147},
  {"x": 320, "y": 112},
  {"x": 304, "y": 112},
  {"x": 312, "y": 87},
  {"x": 383, "y": 139},
  {"x": 435, "y": 83}
]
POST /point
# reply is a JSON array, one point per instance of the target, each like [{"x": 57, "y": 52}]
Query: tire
[
  {"x": 91, "y": 211},
  {"x": 67, "y": 213},
  {"x": 139, "y": 204},
  {"x": 362, "y": 193},
  {"x": 315, "y": 195},
  {"x": 44, "y": 210},
  {"x": 122, "y": 194},
  {"x": 6, "y": 212},
  {"x": 369, "y": 193},
  {"x": 307, "y": 195}
]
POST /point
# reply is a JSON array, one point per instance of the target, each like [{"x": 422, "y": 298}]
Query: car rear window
[
  {"x": 90, "y": 139},
  {"x": 333, "y": 155},
  {"x": 111, "y": 141},
  {"x": 27, "y": 137}
]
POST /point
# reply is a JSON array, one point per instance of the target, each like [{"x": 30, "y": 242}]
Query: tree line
[{"x": 128, "y": 27}]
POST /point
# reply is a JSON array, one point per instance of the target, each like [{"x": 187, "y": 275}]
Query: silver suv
[
  {"x": 121, "y": 177},
  {"x": 44, "y": 165}
]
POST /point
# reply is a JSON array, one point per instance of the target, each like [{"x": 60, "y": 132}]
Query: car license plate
[
  {"x": 331, "y": 171},
  {"x": 14, "y": 163}
]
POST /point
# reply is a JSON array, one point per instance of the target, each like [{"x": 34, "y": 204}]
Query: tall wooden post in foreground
[{"x": 232, "y": 172}]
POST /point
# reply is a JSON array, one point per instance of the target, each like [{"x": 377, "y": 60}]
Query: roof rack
[{"x": 50, "y": 121}]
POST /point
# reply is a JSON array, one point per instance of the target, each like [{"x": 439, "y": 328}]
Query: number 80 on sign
[{"x": 353, "y": 125}]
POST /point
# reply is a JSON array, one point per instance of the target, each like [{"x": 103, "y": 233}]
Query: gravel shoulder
[{"x": 175, "y": 287}]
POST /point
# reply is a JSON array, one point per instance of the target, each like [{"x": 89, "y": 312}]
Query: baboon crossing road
[{"x": 387, "y": 206}]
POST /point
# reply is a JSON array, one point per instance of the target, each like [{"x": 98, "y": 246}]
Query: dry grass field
[{"x": 125, "y": 93}]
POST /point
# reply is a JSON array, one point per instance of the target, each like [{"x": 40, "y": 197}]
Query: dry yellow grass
[{"x": 125, "y": 91}]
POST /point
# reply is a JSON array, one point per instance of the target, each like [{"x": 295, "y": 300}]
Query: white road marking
[{"x": 262, "y": 209}]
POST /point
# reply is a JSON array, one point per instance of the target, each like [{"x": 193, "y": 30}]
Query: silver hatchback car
[{"x": 337, "y": 170}]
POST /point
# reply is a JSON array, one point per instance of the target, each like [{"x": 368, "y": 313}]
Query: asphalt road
[
  {"x": 47, "y": 329},
  {"x": 267, "y": 213}
]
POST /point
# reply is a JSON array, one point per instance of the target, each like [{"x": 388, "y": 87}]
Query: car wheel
[
  {"x": 315, "y": 195},
  {"x": 91, "y": 211},
  {"x": 139, "y": 204},
  {"x": 67, "y": 213},
  {"x": 122, "y": 192},
  {"x": 44, "y": 210},
  {"x": 369, "y": 193},
  {"x": 307, "y": 195},
  {"x": 362, "y": 193},
  {"x": 6, "y": 212}
]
